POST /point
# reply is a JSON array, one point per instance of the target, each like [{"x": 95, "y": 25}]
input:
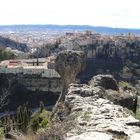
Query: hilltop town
[
  {"x": 121, "y": 51},
  {"x": 44, "y": 64}
]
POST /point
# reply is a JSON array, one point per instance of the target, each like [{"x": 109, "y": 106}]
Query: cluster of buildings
[
  {"x": 43, "y": 67},
  {"x": 32, "y": 38}
]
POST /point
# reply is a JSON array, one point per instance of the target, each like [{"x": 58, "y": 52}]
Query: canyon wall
[{"x": 30, "y": 89}]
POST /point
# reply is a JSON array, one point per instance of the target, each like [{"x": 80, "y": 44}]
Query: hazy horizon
[
  {"x": 108, "y": 13},
  {"x": 68, "y": 25}
]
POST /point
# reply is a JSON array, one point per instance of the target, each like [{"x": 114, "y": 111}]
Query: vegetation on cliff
[{"x": 5, "y": 55}]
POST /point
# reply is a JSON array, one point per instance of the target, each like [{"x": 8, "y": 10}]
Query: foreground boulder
[
  {"x": 105, "y": 81},
  {"x": 114, "y": 93},
  {"x": 94, "y": 117}
]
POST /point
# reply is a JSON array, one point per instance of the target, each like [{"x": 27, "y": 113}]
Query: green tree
[
  {"x": 23, "y": 117},
  {"x": 4, "y": 55}
]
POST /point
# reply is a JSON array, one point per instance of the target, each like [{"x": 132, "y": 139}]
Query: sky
[{"x": 111, "y": 13}]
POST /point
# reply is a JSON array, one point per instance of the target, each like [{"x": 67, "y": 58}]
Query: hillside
[{"x": 6, "y": 42}]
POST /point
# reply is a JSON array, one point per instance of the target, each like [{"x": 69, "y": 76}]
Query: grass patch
[{"x": 87, "y": 115}]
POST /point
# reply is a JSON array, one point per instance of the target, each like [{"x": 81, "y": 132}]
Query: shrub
[
  {"x": 6, "y": 55},
  {"x": 87, "y": 115},
  {"x": 44, "y": 123},
  {"x": 53, "y": 131},
  {"x": 39, "y": 119},
  {"x": 126, "y": 85}
]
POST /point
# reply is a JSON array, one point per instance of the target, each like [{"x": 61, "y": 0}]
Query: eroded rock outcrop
[
  {"x": 68, "y": 64},
  {"x": 112, "y": 91},
  {"x": 105, "y": 81},
  {"x": 95, "y": 117}
]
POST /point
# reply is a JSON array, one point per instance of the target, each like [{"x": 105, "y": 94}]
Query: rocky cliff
[
  {"x": 30, "y": 89},
  {"x": 118, "y": 55},
  {"x": 94, "y": 116}
]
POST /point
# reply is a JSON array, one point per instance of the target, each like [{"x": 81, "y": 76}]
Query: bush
[
  {"x": 53, "y": 131},
  {"x": 44, "y": 123},
  {"x": 126, "y": 85},
  {"x": 34, "y": 123},
  {"x": 4, "y": 55},
  {"x": 39, "y": 120}
]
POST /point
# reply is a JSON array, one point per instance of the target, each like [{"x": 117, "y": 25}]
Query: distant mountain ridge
[{"x": 97, "y": 29}]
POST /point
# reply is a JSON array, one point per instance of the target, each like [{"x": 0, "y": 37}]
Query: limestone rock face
[
  {"x": 126, "y": 99},
  {"x": 97, "y": 118},
  {"x": 105, "y": 81},
  {"x": 113, "y": 92},
  {"x": 68, "y": 64}
]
